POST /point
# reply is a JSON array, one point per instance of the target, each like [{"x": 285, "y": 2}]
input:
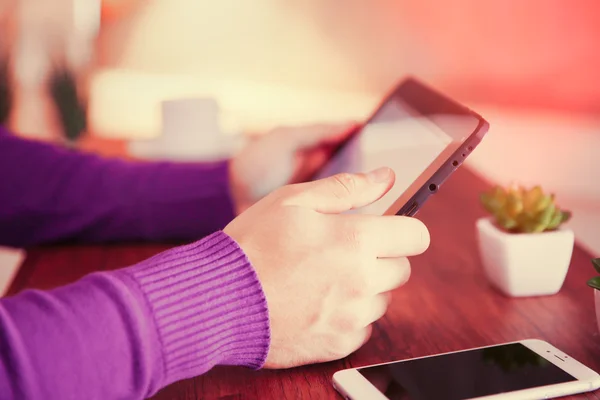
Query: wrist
[{"x": 208, "y": 306}]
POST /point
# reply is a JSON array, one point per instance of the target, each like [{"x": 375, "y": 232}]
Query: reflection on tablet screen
[{"x": 403, "y": 139}]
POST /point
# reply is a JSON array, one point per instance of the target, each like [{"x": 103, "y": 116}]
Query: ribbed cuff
[{"x": 208, "y": 305}]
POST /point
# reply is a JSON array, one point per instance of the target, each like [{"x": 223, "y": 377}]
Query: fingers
[
  {"x": 387, "y": 236},
  {"x": 342, "y": 192},
  {"x": 378, "y": 308},
  {"x": 359, "y": 314},
  {"x": 357, "y": 340},
  {"x": 388, "y": 274}
]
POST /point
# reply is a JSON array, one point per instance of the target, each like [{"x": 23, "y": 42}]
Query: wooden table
[{"x": 447, "y": 305}]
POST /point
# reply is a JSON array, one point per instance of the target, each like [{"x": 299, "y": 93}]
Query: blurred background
[{"x": 140, "y": 78}]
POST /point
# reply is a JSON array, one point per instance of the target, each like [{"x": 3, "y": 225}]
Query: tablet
[{"x": 422, "y": 134}]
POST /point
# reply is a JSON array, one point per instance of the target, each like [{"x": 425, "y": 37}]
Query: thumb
[{"x": 343, "y": 192}]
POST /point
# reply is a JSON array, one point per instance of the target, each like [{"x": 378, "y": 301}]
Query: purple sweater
[{"x": 124, "y": 334}]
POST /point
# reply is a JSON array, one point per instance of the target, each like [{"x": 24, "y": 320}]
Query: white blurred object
[
  {"x": 123, "y": 103},
  {"x": 183, "y": 118},
  {"x": 190, "y": 131}
]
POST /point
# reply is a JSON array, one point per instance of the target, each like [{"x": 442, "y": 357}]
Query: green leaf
[
  {"x": 596, "y": 264},
  {"x": 594, "y": 282},
  {"x": 539, "y": 227},
  {"x": 542, "y": 203},
  {"x": 506, "y": 222},
  {"x": 566, "y": 215},
  {"x": 556, "y": 220},
  {"x": 543, "y": 219}
]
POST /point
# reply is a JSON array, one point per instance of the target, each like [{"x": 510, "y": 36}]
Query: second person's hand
[
  {"x": 326, "y": 275},
  {"x": 280, "y": 157}
]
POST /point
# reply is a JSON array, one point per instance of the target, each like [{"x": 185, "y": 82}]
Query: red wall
[{"x": 542, "y": 53}]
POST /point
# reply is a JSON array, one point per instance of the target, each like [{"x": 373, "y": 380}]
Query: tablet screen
[{"x": 414, "y": 132}]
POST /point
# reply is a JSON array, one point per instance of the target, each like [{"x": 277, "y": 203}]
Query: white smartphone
[{"x": 527, "y": 369}]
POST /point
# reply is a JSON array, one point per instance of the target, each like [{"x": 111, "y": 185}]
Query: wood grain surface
[{"x": 447, "y": 305}]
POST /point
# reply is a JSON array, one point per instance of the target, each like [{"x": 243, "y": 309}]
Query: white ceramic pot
[
  {"x": 597, "y": 301},
  {"x": 525, "y": 264}
]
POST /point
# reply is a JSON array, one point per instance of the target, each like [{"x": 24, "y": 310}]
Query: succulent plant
[
  {"x": 70, "y": 107},
  {"x": 595, "y": 281},
  {"x": 517, "y": 209}
]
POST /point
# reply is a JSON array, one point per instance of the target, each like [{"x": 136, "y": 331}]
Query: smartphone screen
[
  {"x": 414, "y": 131},
  {"x": 467, "y": 374}
]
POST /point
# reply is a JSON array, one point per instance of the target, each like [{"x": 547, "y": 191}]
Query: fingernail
[{"x": 379, "y": 175}]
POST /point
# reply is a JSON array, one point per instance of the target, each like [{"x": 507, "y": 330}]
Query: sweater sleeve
[
  {"x": 51, "y": 194},
  {"x": 126, "y": 334}
]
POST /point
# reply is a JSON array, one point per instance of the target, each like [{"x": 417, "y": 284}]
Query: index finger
[{"x": 390, "y": 236}]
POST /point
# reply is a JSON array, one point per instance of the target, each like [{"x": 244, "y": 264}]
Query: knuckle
[
  {"x": 343, "y": 345},
  {"x": 356, "y": 292},
  {"x": 353, "y": 237},
  {"x": 345, "y": 184},
  {"x": 351, "y": 290},
  {"x": 356, "y": 286},
  {"x": 347, "y": 236},
  {"x": 335, "y": 345},
  {"x": 346, "y": 345},
  {"x": 345, "y": 323}
]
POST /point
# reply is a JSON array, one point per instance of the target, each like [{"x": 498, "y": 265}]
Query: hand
[
  {"x": 326, "y": 276},
  {"x": 280, "y": 157}
]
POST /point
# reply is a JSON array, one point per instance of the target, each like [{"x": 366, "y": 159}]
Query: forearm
[
  {"x": 51, "y": 194},
  {"x": 126, "y": 334}
]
